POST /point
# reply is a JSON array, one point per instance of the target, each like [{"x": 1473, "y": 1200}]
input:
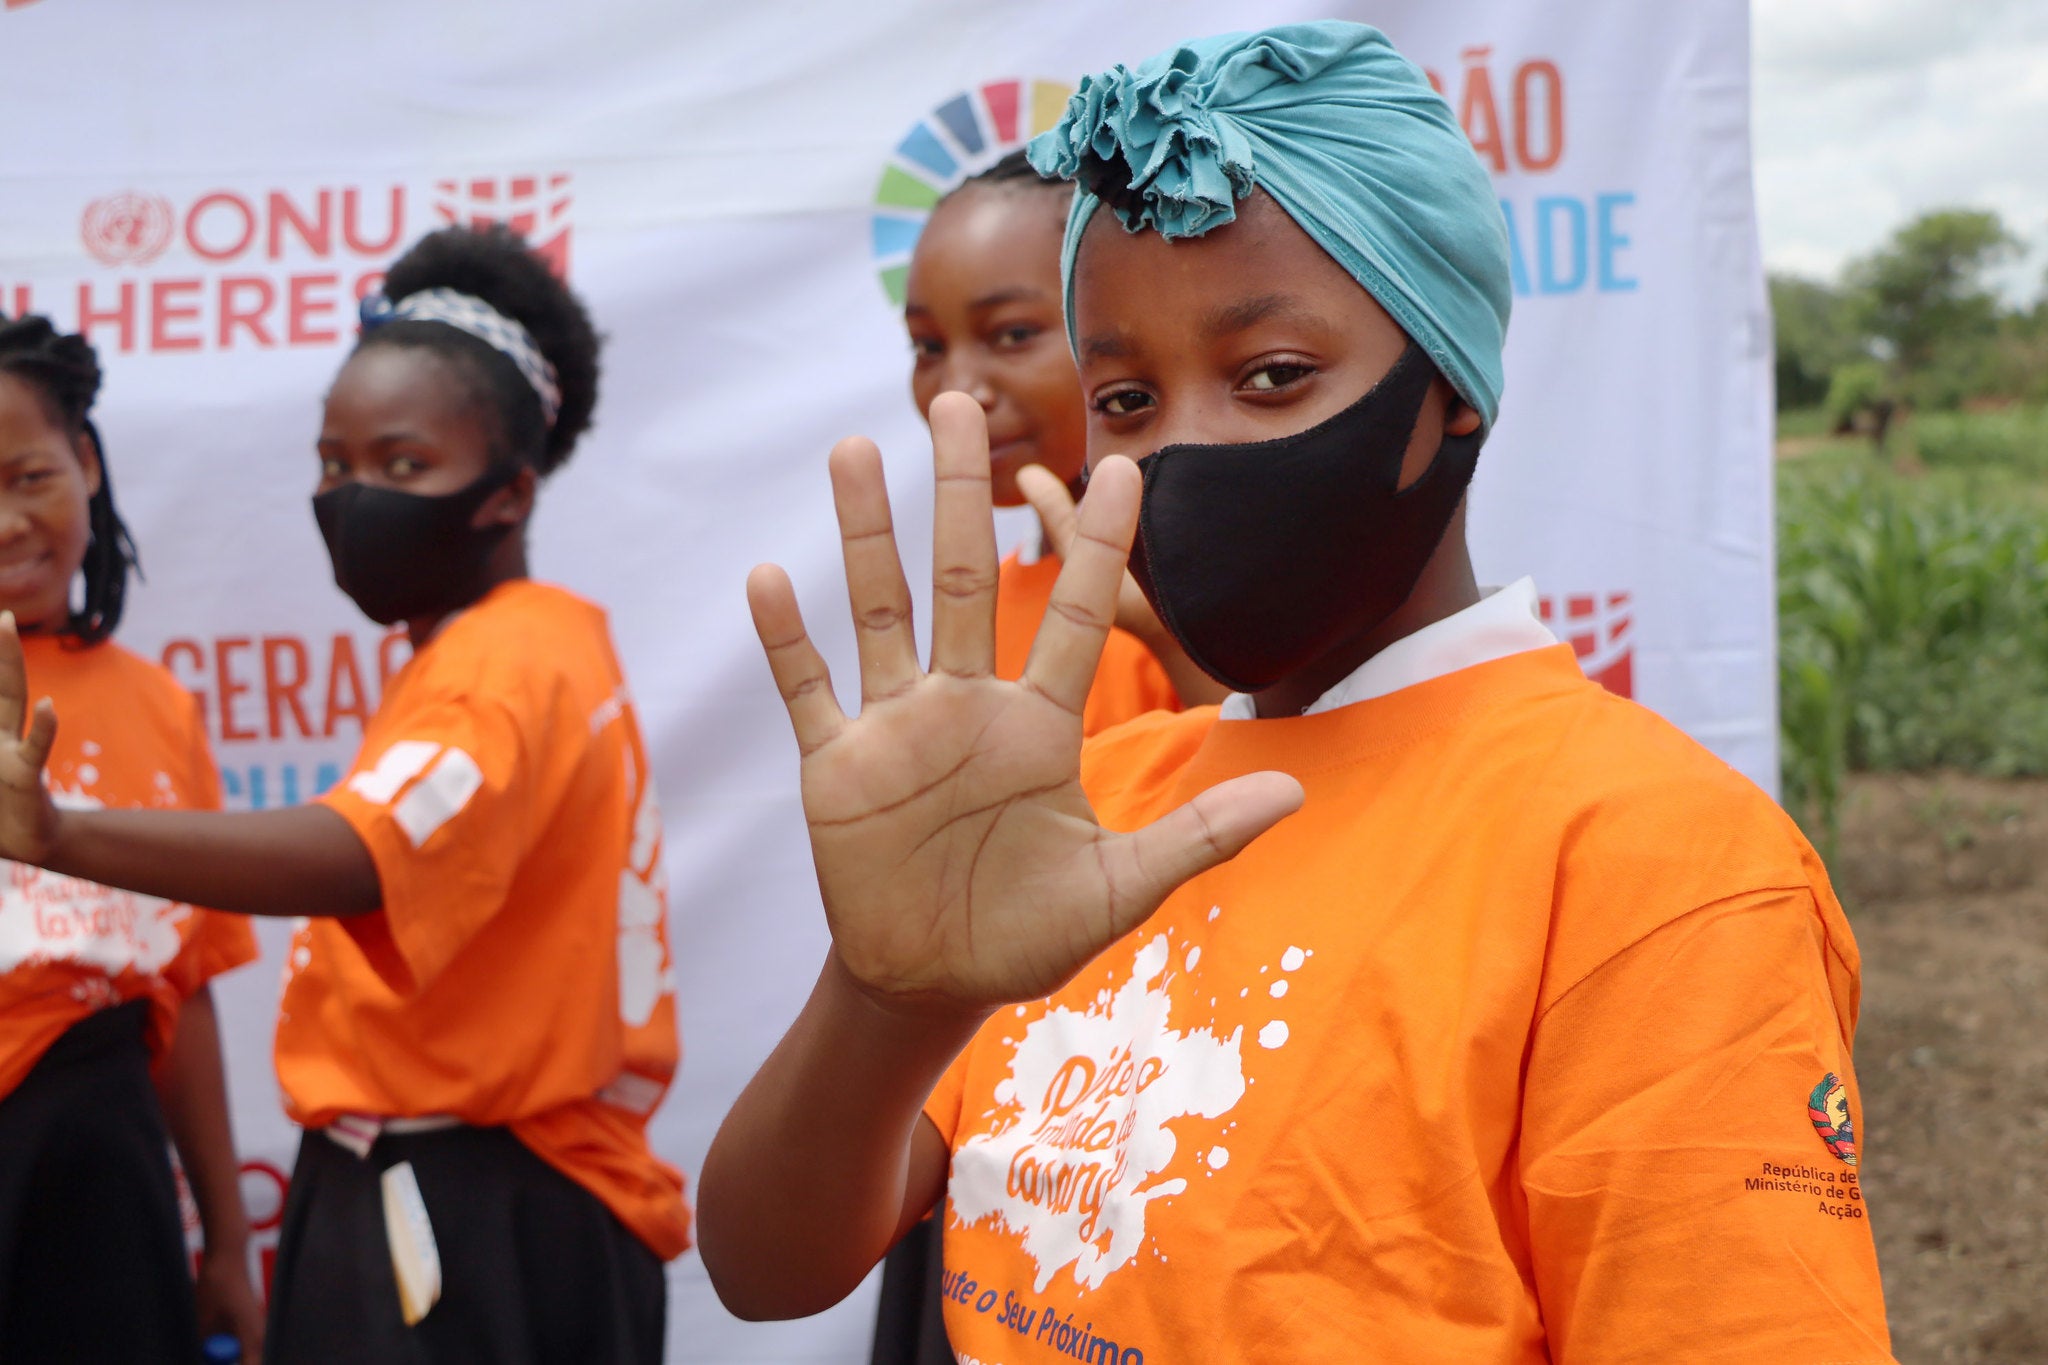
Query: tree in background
[
  {"x": 1924, "y": 302},
  {"x": 1816, "y": 335},
  {"x": 1861, "y": 396},
  {"x": 2020, "y": 366}
]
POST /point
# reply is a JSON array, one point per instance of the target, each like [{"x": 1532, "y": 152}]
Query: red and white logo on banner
[
  {"x": 1600, "y": 629},
  {"x": 127, "y": 228},
  {"x": 536, "y": 207},
  {"x": 264, "y": 268},
  {"x": 263, "y": 1188}
]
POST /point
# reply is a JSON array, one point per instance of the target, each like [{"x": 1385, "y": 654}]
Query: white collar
[{"x": 1503, "y": 621}]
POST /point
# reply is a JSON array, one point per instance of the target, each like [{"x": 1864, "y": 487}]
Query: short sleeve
[
  {"x": 218, "y": 943},
  {"x": 1688, "y": 1149},
  {"x": 943, "y": 1105},
  {"x": 445, "y": 802},
  {"x": 215, "y": 943}
]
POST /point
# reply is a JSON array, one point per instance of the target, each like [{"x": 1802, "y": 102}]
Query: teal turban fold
[{"x": 1344, "y": 133}]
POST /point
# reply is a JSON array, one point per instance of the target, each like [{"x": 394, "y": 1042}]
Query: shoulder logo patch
[{"x": 1828, "y": 1107}]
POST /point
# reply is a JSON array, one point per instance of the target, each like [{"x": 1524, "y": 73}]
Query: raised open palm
[
  {"x": 960, "y": 863},
  {"x": 27, "y": 817}
]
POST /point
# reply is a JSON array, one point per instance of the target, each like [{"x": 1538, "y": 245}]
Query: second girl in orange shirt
[{"x": 479, "y": 1019}]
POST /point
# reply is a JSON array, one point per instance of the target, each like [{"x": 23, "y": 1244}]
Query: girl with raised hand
[
  {"x": 100, "y": 988},
  {"x": 479, "y": 1018},
  {"x": 1501, "y": 1047},
  {"x": 982, "y": 305}
]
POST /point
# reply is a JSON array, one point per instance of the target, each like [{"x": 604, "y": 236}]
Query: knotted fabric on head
[{"x": 1344, "y": 133}]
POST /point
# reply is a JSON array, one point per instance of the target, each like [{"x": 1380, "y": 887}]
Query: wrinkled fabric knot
[{"x": 1151, "y": 148}]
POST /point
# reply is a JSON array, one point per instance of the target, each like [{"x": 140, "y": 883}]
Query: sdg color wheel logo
[{"x": 962, "y": 136}]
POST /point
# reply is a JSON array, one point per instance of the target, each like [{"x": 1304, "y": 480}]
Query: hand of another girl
[{"x": 1059, "y": 515}]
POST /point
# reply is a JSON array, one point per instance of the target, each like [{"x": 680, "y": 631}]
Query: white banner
[{"x": 208, "y": 187}]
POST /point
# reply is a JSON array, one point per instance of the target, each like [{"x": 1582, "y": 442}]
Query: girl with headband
[
  {"x": 1432, "y": 1004},
  {"x": 99, "y": 988},
  {"x": 477, "y": 1021}
]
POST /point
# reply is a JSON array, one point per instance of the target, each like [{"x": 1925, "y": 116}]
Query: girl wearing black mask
[
  {"x": 477, "y": 1022},
  {"x": 1427, "y": 1003}
]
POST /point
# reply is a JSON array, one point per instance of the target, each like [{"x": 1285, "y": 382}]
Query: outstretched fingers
[
  {"x": 875, "y": 585},
  {"x": 42, "y": 734},
  {"x": 1145, "y": 866},
  {"x": 800, "y": 673},
  {"x": 1083, "y": 606},
  {"x": 13, "y": 678},
  {"x": 963, "y": 540}
]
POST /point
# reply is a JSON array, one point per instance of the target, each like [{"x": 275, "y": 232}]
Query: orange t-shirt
[
  {"x": 519, "y": 972},
  {"x": 127, "y": 736},
  {"x": 1526, "y": 1040},
  {"x": 1128, "y": 682}
]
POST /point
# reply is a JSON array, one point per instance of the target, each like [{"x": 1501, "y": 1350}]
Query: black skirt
[
  {"x": 92, "y": 1250},
  {"x": 534, "y": 1268}
]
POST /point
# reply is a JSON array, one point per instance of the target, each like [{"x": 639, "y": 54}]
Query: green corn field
[
  {"x": 2016, "y": 439},
  {"x": 1913, "y": 611}
]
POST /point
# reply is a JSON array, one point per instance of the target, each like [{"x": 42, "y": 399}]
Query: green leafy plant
[
  {"x": 1913, "y": 627},
  {"x": 2016, "y": 438},
  {"x": 1858, "y": 388}
]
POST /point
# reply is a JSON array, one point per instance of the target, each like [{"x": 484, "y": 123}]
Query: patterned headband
[{"x": 472, "y": 315}]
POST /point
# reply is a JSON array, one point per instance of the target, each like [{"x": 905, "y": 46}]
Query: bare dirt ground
[{"x": 1945, "y": 879}]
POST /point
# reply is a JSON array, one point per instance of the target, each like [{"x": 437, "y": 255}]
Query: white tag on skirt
[{"x": 415, "y": 1259}]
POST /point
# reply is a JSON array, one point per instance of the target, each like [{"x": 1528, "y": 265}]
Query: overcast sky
[{"x": 1871, "y": 111}]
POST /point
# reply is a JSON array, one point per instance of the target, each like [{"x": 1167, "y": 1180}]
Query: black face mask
[
  {"x": 402, "y": 556},
  {"x": 1262, "y": 557}
]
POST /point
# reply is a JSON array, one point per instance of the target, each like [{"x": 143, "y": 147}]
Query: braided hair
[
  {"x": 493, "y": 263},
  {"x": 66, "y": 372}
]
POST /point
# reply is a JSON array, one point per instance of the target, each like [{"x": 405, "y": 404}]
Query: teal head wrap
[{"x": 1344, "y": 133}]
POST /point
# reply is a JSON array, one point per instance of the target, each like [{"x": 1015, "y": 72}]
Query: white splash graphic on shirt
[
  {"x": 48, "y": 917},
  {"x": 1082, "y": 1125}
]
